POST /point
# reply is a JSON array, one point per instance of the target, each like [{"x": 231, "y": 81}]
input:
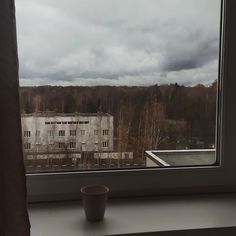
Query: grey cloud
[
  {"x": 112, "y": 42},
  {"x": 194, "y": 53}
]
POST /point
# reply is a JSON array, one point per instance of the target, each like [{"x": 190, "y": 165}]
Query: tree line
[{"x": 155, "y": 117}]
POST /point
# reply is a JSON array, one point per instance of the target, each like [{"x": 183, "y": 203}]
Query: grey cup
[{"x": 94, "y": 199}]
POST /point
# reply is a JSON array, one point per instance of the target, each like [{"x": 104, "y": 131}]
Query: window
[
  {"x": 61, "y": 145},
  {"x": 72, "y": 145},
  {"x": 73, "y": 122},
  {"x": 162, "y": 180},
  {"x": 50, "y": 133},
  {"x": 72, "y": 132},
  {"x": 158, "y": 90},
  {"x": 27, "y": 146},
  {"x": 126, "y": 155},
  {"x": 83, "y": 122},
  {"x": 82, "y": 132},
  {"x": 61, "y": 132},
  {"x": 105, "y": 144},
  {"x": 105, "y": 132},
  {"x": 37, "y": 133},
  {"x": 83, "y": 147},
  {"x": 27, "y": 133}
]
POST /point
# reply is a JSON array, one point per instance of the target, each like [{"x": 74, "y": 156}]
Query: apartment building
[{"x": 60, "y": 133}]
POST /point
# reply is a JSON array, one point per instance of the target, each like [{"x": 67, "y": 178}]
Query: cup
[{"x": 94, "y": 198}]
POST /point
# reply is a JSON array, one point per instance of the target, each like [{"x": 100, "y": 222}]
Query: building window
[
  {"x": 126, "y": 155},
  {"x": 72, "y": 132},
  {"x": 72, "y": 145},
  {"x": 27, "y": 146},
  {"x": 82, "y": 132},
  {"x": 105, "y": 132},
  {"x": 174, "y": 67},
  {"x": 61, "y": 132},
  {"x": 61, "y": 145},
  {"x": 37, "y": 133},
  {"x": 84, "y": 122},
  {"x": 51, "y": 133},
  {"x": 27, "y": 133},
  {"x": 105, "y": 144},
  {"x": 96, "y": 132},
  {"x": 73, "y": 122},
  {"x": 83, "y": 146}
]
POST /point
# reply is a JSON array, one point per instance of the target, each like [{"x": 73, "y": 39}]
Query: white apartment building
[{"x": 45, "y": 133}]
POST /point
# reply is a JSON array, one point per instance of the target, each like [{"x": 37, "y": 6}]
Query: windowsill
[{"x": 188, "y": 213}]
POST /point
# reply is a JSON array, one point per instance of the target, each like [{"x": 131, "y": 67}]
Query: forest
[{"x": 145, "y": 118}]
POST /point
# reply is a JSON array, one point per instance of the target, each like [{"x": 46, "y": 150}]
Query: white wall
[{"x": 89, "y": 142}]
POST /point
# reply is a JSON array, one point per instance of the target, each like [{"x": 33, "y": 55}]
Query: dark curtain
[{"x": 13, "y": 206}]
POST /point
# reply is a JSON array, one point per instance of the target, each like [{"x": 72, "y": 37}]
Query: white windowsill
[{"x": 138, "y": 216}]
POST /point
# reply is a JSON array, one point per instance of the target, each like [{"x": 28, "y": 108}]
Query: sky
[{"x": 117, "y": 42}]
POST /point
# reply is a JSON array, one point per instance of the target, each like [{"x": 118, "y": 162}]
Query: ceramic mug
[{"x": 94, "y": 198}]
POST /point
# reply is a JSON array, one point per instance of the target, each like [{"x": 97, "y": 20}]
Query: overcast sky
[{"x": 118, "y": 42}]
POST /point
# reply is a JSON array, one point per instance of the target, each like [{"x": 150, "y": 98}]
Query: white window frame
[
  {"x": 73, "y": 132},
  {"x": 105, "y": 132},
  {"x": 61, "y": 145},
  {"x": 27, "y": 146},
  {"x": 61, "y": 133},
  {"x": 82, "y": 132},
  {"x": 105, "y": 144},
  {"x": 72, "y": 145},
  {"x": 37, "y": 133},
  {"x": 51, "y": 133},
  {"x": 27, "y": 134},
  {"x": 143, "y": 182}
]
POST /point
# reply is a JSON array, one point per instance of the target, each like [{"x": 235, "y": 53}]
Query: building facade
[{"x": 45, "y": 133}]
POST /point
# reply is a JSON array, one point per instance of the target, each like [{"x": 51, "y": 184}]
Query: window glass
[
  {"x": 61, "y": 132},
  {"x": 72, "y": 132},
  {"x": 118, "y": 83}
]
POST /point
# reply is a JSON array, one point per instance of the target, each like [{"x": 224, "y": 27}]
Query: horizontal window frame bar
[{"x": 126, "y": 183}]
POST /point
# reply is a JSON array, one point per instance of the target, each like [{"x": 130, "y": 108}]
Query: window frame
[
  {"x": 72, "y": 145},
  {"x": 61, "y": 133},
  {"x": 27, "y": 134},
  {"x": 105, "y": 132},
  {"x": 82, "y": 132},
  {"x": 73, "y": 133},
  {"x": 176, "y": 180},
  {"x": 37, "y": 133},
  {"x": 27, "y": 146}
]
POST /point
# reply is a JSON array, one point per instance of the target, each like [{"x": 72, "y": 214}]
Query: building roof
[
  {"x": 183, "y": 157},
  {"x": 54, "y": 114}
]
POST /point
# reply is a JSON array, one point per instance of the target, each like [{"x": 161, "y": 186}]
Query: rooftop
[
  {"x": 55, "y": 114},
  {"x": 182, "y": 157}
]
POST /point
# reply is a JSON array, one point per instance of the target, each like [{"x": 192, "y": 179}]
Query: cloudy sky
[{"x": 118, "y": 42}]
